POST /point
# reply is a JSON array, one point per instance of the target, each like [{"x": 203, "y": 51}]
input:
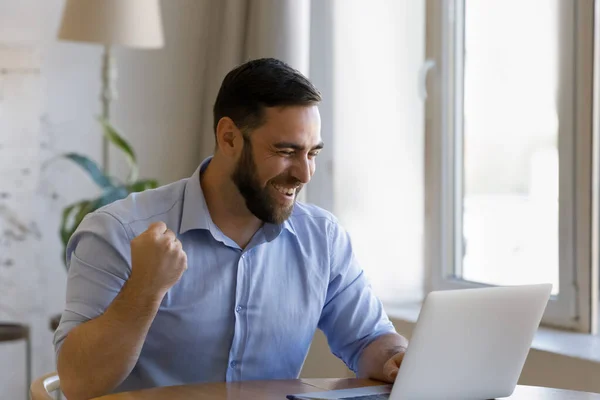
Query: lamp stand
[{"x": 109, "y": 93}]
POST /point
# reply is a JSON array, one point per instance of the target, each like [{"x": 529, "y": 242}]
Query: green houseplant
[{"x": 112, "y": 188}]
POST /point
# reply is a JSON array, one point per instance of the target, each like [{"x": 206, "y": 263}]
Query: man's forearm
[
  {"x": 98, "y": 355},
  {"x": 376, "y": 354}
]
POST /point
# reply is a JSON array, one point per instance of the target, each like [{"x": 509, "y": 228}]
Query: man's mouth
[{"x": 289, "y": 191}]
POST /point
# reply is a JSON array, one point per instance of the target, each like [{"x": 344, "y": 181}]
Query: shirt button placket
[{"x": 240, "y": 328}]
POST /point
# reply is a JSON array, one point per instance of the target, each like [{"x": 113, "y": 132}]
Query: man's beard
[{"x": 258, "y": 199}]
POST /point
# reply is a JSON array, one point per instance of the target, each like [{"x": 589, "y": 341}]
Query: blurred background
[{"x": 447, "y": 125}]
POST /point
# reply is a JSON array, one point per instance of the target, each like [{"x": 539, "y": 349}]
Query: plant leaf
[
  {"x": 113, "y": 136},
  {"x": 86, "y": 207},
  {"x": 113, "y": 194},
  {"x": 71, "y": 218},
  {"x": 91, "y": 168},
  {"x": 142, "y": 185},
  {"x": 64, "y": 230}
]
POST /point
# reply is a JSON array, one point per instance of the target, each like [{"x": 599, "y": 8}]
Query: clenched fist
[{"x": 157, "y": 260}]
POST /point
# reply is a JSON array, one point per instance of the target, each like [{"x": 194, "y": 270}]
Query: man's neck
[{"x": 226, "y": 205}]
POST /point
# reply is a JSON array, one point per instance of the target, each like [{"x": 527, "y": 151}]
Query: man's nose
[{"x": 303, "y": 170}]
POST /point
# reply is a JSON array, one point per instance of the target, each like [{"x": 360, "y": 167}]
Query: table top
[{"x": 277, "y": 390}]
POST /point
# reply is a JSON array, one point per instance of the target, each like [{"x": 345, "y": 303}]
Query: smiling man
[{"x": 224, "y": 275}]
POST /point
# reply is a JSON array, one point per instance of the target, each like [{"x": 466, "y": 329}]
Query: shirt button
[
  {"x": 233, "y": 364},
  {"x": 239, "y": 308}
]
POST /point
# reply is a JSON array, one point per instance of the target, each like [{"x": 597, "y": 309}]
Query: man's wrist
[
  {"x": 135, "y": 303},
  {"x": 142, "y": 295}
]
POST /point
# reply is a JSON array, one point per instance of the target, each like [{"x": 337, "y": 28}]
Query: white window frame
[{"x": 575, "y": 306}]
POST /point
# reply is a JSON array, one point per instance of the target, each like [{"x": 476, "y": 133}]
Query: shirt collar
[
  {"x": 195, "y": 214},
  {"x": 287, "y": 224},
  {"x": 273, "y": 230}
]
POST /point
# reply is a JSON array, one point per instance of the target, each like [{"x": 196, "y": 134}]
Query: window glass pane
[
  {"x": 378, "y": 149},
  {"x": 510, "y": 156}
]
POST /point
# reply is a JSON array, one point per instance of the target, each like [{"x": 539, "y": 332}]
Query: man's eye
[
  {"x": 286, "y": 153},
  {"x": 314, "y": 153}
]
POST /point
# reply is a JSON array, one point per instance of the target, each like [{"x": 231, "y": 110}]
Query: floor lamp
[{"x": 128, "y": 23}]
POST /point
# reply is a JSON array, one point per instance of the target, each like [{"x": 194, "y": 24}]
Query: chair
[{"x": 42, "y": 388}]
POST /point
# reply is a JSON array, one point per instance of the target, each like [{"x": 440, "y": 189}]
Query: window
[
  {"x": 365, "y": 58},
  {"x": 509, "y": 149}
]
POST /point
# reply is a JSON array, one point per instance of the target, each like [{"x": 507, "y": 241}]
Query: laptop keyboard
[{"x": 368, "y": 397}]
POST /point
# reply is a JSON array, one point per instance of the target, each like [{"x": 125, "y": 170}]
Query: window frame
[{"x": 576, "y": 304}]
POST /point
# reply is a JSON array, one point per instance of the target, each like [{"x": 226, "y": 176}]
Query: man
[{"x": 223, "y": 276}]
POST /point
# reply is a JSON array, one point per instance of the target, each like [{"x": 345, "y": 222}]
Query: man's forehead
[{"x": 300, "y": 125}]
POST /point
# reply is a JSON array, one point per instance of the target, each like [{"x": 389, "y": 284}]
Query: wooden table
[{"x": 277, "y": 390}]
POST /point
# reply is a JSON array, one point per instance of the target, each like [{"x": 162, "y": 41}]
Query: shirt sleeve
[
  {"x": 352, "y": 316},
  {"x": 98, "y": 262}
]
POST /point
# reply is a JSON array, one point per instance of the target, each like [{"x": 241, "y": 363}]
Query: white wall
[{"x": 160, "y": 93}]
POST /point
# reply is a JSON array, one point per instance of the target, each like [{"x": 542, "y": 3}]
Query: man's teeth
[{"x": 284, "y": 190}]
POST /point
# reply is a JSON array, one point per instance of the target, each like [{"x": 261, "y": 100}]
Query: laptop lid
[{"x": 471, "y": 343}]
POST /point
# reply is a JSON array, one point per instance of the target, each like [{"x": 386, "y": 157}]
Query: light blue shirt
[{"x": 235, "y": 314}]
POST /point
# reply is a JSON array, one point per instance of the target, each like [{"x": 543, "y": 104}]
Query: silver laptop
[{"x": 467, "y": 344}]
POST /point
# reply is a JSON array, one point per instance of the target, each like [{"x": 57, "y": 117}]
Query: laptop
[{"x": 467, "y": 344}]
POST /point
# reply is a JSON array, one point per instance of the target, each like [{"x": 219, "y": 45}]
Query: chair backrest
[{"x": 42, "y": 387}]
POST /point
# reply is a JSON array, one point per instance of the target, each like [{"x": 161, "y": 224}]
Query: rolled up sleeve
[
  {"x": 98, "y": 260},
  {"x": 352, "y": 316}
]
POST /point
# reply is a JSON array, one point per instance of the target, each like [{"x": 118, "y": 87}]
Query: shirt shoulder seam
[
  {"x": 118, "y": 220},
  {"x": 129, "y": 222}
]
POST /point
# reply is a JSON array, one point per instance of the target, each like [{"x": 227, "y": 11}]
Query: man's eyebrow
[{"x": 295, "y": 146}]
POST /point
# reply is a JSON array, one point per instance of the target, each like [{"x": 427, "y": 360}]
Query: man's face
[{"x": 277, "y": 160}]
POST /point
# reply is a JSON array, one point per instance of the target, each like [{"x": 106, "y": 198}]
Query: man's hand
[
  {"x": 391, "y": 367},
  {"x": 157, "y": 260},
  {"x": 382, "y": 358}
]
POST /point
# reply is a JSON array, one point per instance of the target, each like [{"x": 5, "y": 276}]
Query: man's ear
[{"x": 229, "y": 137}]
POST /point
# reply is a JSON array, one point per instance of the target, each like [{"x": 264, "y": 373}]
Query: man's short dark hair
[{"x": 260, "y": 83}]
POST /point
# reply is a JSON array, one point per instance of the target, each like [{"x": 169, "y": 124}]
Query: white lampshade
[{"x": 131, "y": 23}]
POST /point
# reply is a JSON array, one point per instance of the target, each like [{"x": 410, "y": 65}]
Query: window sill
[{"x": 565, "y": 343}]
